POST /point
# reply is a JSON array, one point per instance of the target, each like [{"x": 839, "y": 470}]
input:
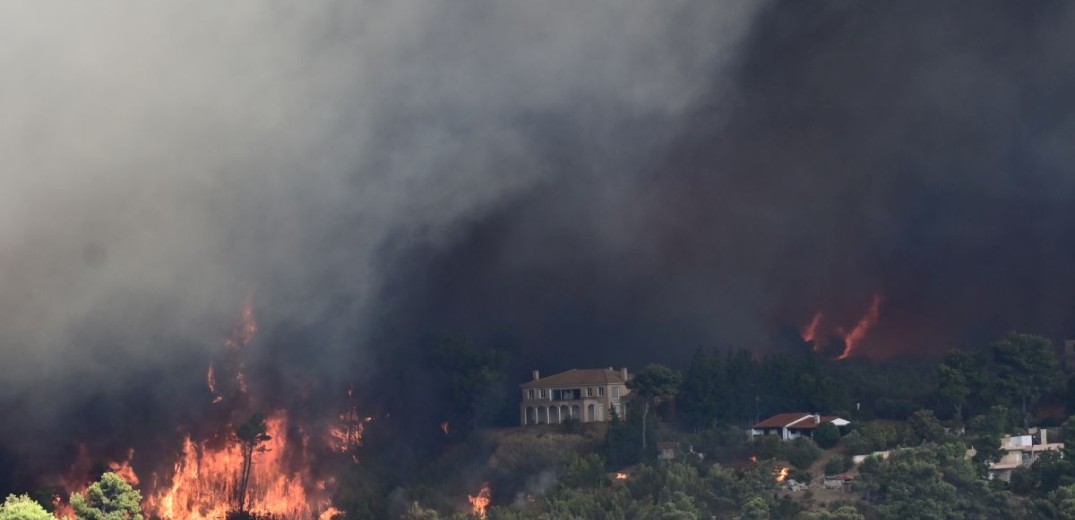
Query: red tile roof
[{"x": 797, "y": 420}]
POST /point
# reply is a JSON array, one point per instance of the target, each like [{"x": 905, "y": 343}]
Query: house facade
[
  {"x": 793, "y": 425},
  {"x": 588, "y": 395},
  {"x": 1022, "y": 450}
]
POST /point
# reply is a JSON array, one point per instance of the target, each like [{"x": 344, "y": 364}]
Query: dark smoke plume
[
  {"x": 585, "y": 184},
  {"x": 163, "y": 163}
]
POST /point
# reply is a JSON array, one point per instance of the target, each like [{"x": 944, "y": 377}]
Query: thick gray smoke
[
  {"x": 162, "y": 162},
  {"x": 916, "y": 150}
]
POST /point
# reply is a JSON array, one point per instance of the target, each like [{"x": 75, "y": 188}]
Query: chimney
[
  {"x": 537, "y": 375},
  {"x": 817, "y": 419},
  {"x": 623, "y": 372}
]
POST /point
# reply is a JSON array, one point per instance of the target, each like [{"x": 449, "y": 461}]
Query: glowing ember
[
  {"x": 479, "y": 503},
  {"x": 810, "y": 332},
  {"x": 852, "y": 339},
  {"x": 621, "y": 476},
  {"x": 204, "y": 483},
  {"x": 782, "y": 474},
  {"x": 444, "y": 427},
  {"x": 753, "y": 458}
]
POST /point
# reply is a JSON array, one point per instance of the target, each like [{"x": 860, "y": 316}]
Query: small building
[
  {"x": 667, "y": 451},
  {"x": 1022, "y": 450},
  {"x": 838, "y": 482},
  {"x": 587, "y": 395},
  {"x": 795, "y": 424}
]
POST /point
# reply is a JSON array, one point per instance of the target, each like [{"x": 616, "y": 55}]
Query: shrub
[
  {"x": 826, "y": 435},
  {"x": 802, "y": 452}
]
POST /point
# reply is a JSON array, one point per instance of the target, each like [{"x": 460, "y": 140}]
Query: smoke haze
[
  {"x": 584, "y": 183},
  {"x": 164, "y": 162}
]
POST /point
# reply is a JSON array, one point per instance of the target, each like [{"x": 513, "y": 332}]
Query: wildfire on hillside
[
  {"x": 479, "y": 503},
  {"x": 809, "y": 332},
  {"x": 202, "y": 484},
  {"x": 203, "y": 481},
  {"x": 621, "y": 475},
  {"x": 868, "y": 320},
  {"x": 812, "y": 332},
  {"x": 346, "y": 435}
]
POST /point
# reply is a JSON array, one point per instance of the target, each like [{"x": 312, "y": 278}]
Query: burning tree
[{"x": 252, "y": 436}]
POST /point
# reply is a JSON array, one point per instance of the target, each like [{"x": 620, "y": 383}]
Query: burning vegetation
[
  {"x": 258, "y": 468},
  {"x": 479, "y": 503},
  {"x": 813, "y": 332}
]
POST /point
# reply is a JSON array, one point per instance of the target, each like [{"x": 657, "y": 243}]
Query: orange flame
[
  {"x": 753, "y": 458},
  {"x": 868, "y": 320},
  {"x": 203, "y": 484},
  {"x": 621, "y": 475},
  {"x": 329, "y": 514},
  {"x": 124, "y": 469},
  {"x": 810, "y": 332},
  {"x": 479, "y": 503},
  {"x": 782, "y": 474},
  {"x": 346, "y": 435},
  {"x": 444, "y": 427},
  {"x": 79, "y": 476}
]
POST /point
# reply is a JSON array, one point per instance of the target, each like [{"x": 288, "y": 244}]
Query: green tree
[
  {"x": 826, "y": 435},
  {"x": 1026, "y": 369},
  {"x": 701, "y": 393},
  {"x": 926, "y": 427},
  {"x": 473, "y": 377},
  {"x": 22, "y": 507},
  {"x": 653, "y": 382},
  {"x": 252, "y": 437},
  {"x": 841, "y": 513},
  {"x": 802, "y": 452},
  {"x": 755, "y": 509},
  {"x": 952, "y": 387},
  {"x": 110, "y": 498}
]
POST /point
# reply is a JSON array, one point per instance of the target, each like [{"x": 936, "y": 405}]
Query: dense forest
[{"x": 938, "y": 425}]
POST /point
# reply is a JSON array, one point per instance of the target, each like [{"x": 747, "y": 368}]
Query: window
[
  {"x": 589, "y": 392},
  {"x": 615, "y": 392},
  {"x": 530, "y": 393},
  {"x": 558, "y": 395},
  {"x": 541, "y": 393},
  {"x": 601, "y": 391}
]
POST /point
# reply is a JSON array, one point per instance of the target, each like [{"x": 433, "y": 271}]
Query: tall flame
[
  {"x": 865, "y": 323},
  {"x": 810, "y": 332},
  {"x": 479, "y": 503},
  {"x": 203, "y": 484}
]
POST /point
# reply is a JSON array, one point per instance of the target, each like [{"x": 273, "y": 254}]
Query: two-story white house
[{"x": 588, "y": 395}]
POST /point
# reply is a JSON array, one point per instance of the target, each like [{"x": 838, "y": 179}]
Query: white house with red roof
[{"x": 793, "y": 425}]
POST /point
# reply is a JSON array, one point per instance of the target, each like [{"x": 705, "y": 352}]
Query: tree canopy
[
  {"x": 110, "y": 498},
  {"x": 22, "y": 507}
]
